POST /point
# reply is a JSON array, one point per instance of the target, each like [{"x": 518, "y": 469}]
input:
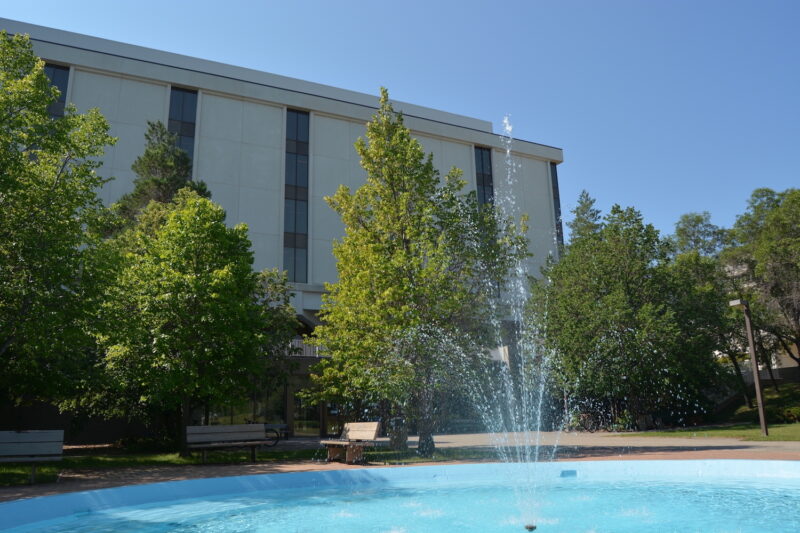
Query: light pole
[{"x": 748, "y": 326}]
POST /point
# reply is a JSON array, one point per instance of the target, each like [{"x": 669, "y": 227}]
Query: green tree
[
  {"x": 161, "y": 171},
  {"x": 187, "y": 321},
  {"x": 418, "y": 267},
  {"x": 694, "y": 232},
  {"x": 586, "y": 219},
  {"x": 608, "y": 313},
  {"x": 765, "y": 256},
  {"x": 48, "y": 198}
]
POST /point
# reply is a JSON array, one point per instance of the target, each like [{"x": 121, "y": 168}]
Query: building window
[
  {"x": 182, "y": 117},
  {"x": 556, "y": 203},
  {"x": 59, "y": 77},
  {"x": 295, "y": 203},
  {"x": 483, "y": 175}
]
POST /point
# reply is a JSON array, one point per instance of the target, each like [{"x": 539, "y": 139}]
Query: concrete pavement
[{"x": 553, "y": 446}]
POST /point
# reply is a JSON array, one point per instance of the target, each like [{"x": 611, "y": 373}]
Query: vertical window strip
[
  {"x": 556, "y": 203},
  {"x": 295, "y": 231},
  {"x": 59, "y": 78},
  {"x": 183, "y": 117},
  {"x": 483, "y": 175}
]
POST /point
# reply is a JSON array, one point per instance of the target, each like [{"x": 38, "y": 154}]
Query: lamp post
[{"x": 748, "y": 326}]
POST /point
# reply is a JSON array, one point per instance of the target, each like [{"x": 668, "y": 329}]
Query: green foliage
[
  {"x": 586, "y": 218},
  {"x": 765, "y": 257},
  {"x": 48, "y": 199},
  {"x": 162, "y": 170},
  {"x": 694, "y": 232},
  {"x": 418, "y": 266},
  {"x": 627, "y": 328},
  {"x": 186, "y": 321}
]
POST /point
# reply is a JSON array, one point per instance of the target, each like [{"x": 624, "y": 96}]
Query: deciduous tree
[
  {"x": 48, "y": 198},
  {"x": 418, "y": 266},
  {"x": 187, "y": 320}
]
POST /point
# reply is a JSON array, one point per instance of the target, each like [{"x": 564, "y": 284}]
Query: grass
[
  {"x": 777, "y": 432},
  {"x": 12, "y": 474},
  {"x": 19, "y": 473},
  {"x": 741, "y": 422}
]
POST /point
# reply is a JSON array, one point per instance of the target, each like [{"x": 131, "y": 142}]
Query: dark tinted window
[
  {"x": 183, "y": 116},
  {"x": 295, "y": 215},
  {"x": 556, "y": 203},
  {"x": 59, "y": 77},
  {"x": 483, "y": 175}
]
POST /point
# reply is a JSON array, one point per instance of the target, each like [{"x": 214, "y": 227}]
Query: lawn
[
  {"x": 741, "y": 422},
  {"x": 19, "y": 473},
  {"x": 777, "y": 432}
]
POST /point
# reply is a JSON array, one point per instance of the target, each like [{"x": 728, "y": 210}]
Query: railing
[{"x": 304, "y": 350}]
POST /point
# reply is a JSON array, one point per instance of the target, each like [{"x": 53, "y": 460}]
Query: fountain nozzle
[{"x": 530, "y": 527}]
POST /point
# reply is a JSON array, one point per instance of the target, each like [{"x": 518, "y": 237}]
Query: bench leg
[
  {"x": 252, "y": 454},
  {"x": 355, "y": 454},
  {"x": 334, "y": 452},
  {"x": 203, "y": 454},
  {"x": 33, "y": 473}
]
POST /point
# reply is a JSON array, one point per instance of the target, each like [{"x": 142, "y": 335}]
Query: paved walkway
[{"x": 554, "y": 446}]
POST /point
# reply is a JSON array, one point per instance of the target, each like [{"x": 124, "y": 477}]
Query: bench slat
[
  {"x": 47, "y": 435},
  {"x": 230, "y": 444},
  {"x": 29, "y": 459},
  {"x": 360, "y": 431},
  {"x": 31, "y": 448},
  {"x": 216, "y": 437},
  {"x": 232, "y": 428}
]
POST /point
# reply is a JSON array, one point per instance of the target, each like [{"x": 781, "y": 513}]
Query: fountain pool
[{"x": 613, "y": 496}]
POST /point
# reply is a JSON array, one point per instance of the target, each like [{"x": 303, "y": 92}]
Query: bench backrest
[
  {"x": 230, "y": 433},
  {"x": 360, "y": 430},
  {"x": 34, "y": 445}
]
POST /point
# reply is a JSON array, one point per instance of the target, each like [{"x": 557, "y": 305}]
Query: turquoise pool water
[{"x": 608, "y": 496}]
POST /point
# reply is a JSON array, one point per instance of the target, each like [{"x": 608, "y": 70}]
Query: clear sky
[{"x": 669, "y": 106}]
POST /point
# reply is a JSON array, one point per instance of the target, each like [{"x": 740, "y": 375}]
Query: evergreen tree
[
  {"x": 586, "y": 218},
  {"x": 162, "y": 170},
  {"x": 618, "y": 322}
]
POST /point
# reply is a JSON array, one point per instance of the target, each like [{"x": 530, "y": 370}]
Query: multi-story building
[{"x": 270, "y": 148}]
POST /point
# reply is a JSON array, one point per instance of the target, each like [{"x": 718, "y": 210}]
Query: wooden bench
[
  {"x": 31, "y": 447},
  {"x": 205, "y": 438},
  {"x": 355, "y": 436}
]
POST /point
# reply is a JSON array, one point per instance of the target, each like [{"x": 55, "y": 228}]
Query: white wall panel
[
  {"x": 331, "y": 137},
  {"x": 260, "y": 209},
  {"x": 262, "y": 125},
  {"x": 261, "y": 167},
  {"x": 218, "y": 160},
  {"x": 96, "y": 90},
  {"x": 266, "y": 250},
  {"x": 140, "y": 101},
  {"x": 324, "y": 267},
  {"x": 221, "y": 118}
]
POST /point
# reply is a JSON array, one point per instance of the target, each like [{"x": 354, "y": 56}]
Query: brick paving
[{"x": 554, "y": 446}]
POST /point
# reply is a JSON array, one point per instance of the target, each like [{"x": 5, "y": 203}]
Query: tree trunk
[
  {"x": 742, "y": 383},
  {"x": 426, "y": 446},
  {"x": 425, "y": 422},
  {"x": 772, "y": 376},
  {"x": 185, "y": 418},
  {"x": 398, "y": 434}
]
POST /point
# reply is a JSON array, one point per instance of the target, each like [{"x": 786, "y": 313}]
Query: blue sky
[{"x": 668, "y": 106}]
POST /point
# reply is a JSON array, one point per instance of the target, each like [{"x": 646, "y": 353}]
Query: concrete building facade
[{"x": 270, "y": 148}]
